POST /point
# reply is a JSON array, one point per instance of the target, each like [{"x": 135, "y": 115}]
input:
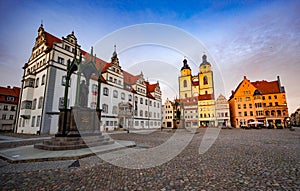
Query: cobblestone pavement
[{"x": 238, "y": 160}]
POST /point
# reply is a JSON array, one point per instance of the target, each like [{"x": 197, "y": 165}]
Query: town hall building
[{"x": 44, "y": 81}]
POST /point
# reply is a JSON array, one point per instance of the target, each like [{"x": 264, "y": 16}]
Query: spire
[
  {"x": 204, "y": 60},
  {"x": 185, "y": 64}
]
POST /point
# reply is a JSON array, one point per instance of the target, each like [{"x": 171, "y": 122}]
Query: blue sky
[{"x": 257, "y": 39}]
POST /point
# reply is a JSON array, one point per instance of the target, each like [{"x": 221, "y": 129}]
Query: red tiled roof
[
  {"x": 50, "y": 39},
  {"x": 206, "y": 97},
  {"x": 129, "y": 78},
  {"x": 13, "y": 92},
  {"x": 100, "y": 64},
  {"x": 265, "y": 87},
  {"x": 195, "y": 83},
  {"x": 150, "y": 87}
]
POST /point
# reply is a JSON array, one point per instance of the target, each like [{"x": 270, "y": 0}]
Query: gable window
[
  {"x": 67, "y": 47},
  {"x": 105, "y": 91},
  {"x": 60, "y": 60}
]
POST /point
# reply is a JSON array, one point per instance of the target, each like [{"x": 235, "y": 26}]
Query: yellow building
[
  {"x": 201, "y": 88},
  {"x": 259, "y": 101}
]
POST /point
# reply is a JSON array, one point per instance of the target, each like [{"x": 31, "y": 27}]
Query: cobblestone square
[{"x": 238, "y": 160}]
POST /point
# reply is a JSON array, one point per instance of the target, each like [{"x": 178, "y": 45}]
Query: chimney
[{"x": 279, "y": 84}]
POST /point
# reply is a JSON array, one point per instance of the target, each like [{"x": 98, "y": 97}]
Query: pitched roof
[
  {"x": 150, "y": 87},
  {"x": 100, "y": 64},
  {"x": 206, "y": 97},
  {"x": 265, "y": 87},
  {"x": 12, "y": 92},
  {"x": 129, "y": 78},
  {"x": 50, "y": 39}
]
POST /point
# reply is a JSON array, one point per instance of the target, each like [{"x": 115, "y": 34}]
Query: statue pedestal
[{"x": 82, "y": 130}]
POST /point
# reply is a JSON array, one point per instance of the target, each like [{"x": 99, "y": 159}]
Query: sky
[{"x": 257, "y": 39}]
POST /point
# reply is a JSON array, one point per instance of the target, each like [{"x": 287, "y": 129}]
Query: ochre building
[{"x": 259, "y": 101}]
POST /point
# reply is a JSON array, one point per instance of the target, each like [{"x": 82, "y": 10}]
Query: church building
[{"x": 196, "y": 92}]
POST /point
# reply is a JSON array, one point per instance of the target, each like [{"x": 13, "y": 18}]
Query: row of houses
[{"x": 263, "y": 102}]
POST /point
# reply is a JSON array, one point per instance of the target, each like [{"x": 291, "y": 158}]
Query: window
[
  {"x": 13, "y": 108},
  {"x": 251, "y": 113},
  {"x": 115, "y": 94},
  {"x": 115, "y": 110},
  {"x": 105, "y": 108},
  {"x": 250, "y": 105},
  {"x": 275, "y": 96},
  {"x": 38, "y": 120},
  {"x": 141, "y": 113},
  {"x": 205, "y": 81},
  {"x": 264, "y": 104},
  {"x": 5, "y": 107},
  {"x": 157, "y": 105},
  {"x": 247, "y": 98},
  {"x": 270, "y": 104},
  {"x": 33, "y": 106},
  {"x": 146, "y": 114},
  {"x": 154, "y": 115},
  {"x": 29, "y": 83},
  {"x": 130, "y": 98},
  {"x": 123, "y": 96},
  {"x": 245, "y": 113},
  {"x": 270, "y": 97},
  {"x": 43, "y": 79},
  {"x": 245, "y": 106},
  {"x": 61, "y": 103},
  {"x": 276, "y": 103},
  {"x": 20, "y": 122},
  {"x": 141, "y": 100},
  {"x": 146, "y": 102},
  {"x": 154, "y": 104},
  {"x": 26, "y": 104},
  {"x": 110, "y": 79},
  {"x": 263, "y": 97},
  {"x": 184, "y": 83},
  {"x": 67, "y": 47},
  {"x": 60, "y": 60},
  {"x": 10, "y": 98},
  {"x": 94, "y": 89},
  {"x": 37, "y": 82},
  {"x": 64, "y": 81},
  {"x": 3, "y": 116},
  {"x": 136, "y": 123},
  {"x": 40, "y": 102},
  {"x": 240, "y": 114},
  {"x": 33, "y": 121},
  {"x": 239, "y": 106},
  {"x": 105, "y": 91},
  {"x": 150, "y": 103}
]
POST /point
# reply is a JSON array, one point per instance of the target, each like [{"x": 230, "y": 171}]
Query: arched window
[
  {"x": 43, "y": 79},
  {"x": 205, "y": 82},
  {"x": 37, "y": 82},
  {"x": 184, "y": 83}
]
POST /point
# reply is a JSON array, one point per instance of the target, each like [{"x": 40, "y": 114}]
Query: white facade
[
  {"x": 44, "y": 80},
  {"x": 222, "y": 111},
  {"x": 168, "y": 115}
]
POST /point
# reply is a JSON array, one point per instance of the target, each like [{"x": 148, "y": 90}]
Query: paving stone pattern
[{"x": 238, "y": 160}]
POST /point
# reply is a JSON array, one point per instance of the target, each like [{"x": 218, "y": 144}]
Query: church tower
[
  {"x": 206, "y": 84},
  {"x": 185, "y": 81}
]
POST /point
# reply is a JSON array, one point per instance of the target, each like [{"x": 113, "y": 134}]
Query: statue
[{"x": 84, "y": 91}]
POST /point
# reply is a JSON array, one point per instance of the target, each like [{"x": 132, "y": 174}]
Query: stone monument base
[
  {"x": 71, "y": 143},
  {"x": 77, "y": 128}
]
